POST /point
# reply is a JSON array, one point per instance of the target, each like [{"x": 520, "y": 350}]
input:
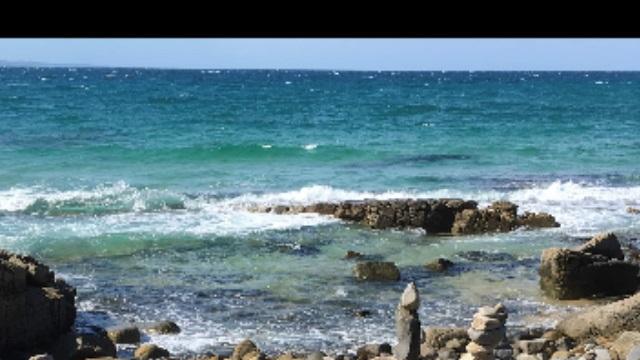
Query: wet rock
[
  {"x": 605, "y": 244},
  {"x": 498, "y": 217},
  {"x": 560, "y": 355},
  {"x": 632, "y": 210},
  {"x": 94, "y": 345},
  {"x": 439, "y": 265},
  {"x": 436, "y": 216},
  {"x": 428, "y": 353},
  {"x": 376, "y": 271},
  {"x": 35, "y": 308},
  {"x": 408, "y": 325},
  {"x": 124, "y": 335},
  {"x": 624, "y": 343},
  {"x": 245, "y": 350},
  {"x": 372, "y": 351},
  {"x": 363, "y": 313},
  {"x": 532, "y": 346},
  {"x": 606, "y": 320},
  {"x": 164, "y": 327},
  {"x": 593, "y": 269},
  {"x": 353, "y": 255},
  {"x": 537, "y": 220},
  {"x": 437, "y": 337},
  {"x": 150, "y": 351}
]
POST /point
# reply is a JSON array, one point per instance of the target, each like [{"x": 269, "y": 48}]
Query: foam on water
[{"x": 579, "y": 207}]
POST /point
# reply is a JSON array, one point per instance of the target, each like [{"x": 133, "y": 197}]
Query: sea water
[{"x": 135, "y": 186}]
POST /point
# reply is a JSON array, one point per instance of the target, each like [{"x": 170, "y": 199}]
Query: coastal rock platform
[{"x": 436, "y": 216}]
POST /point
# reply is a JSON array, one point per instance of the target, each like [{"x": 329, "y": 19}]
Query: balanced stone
[{"x": 408, "y": 325}]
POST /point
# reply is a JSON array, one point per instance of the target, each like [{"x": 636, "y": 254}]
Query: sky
[{"x": 333, "y": 54}]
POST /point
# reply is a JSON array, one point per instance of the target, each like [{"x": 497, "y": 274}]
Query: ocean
[{"x": 135, "y": 186}]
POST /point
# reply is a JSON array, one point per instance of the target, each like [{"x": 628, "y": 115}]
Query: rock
[
  {"x": 410, "y": 299},
  {"x": 624, "y": 343},
  {"x": 529, "y": 357},
  {"x": 632, "y": 210},
  {"x": 634, "y": 353},
  {"x": 486, "y": 332},
  {"x": 572, "y": 274},
  {"x": 487, "y": 337},
  {"x": 352, "y": 255},
  {"x": 439, "y": 265},
  {"x": 371, "y": 351},
  {"x": 607, "y": 320},
  {"x": 532, "y": 346},
  {"x": 437, "y": 337},
  {"x": 94, "y": 345},
  {"x": 605, "y": 244},
  {"x": 164, "y": 327},
  {"x": 245, "y": 350},
  {"x": 560, "y": 355},
  {"x": 456, "y": 344},
  {"x": 503, "y": 354},
  {"x": 498, "y": 217},
  {"x": 124, "y": 335},
  {"x": 150, "y": 351},
  {"x": 408, "y": 325},
  {"x": 377, "y": 271},
  {"x": 483, "y": 322},
  {"x": 601, "y": 354},
  {"x": 436, "y": 216},
  {"x": 539, "y": 220},
  {"x": 316, "y": 355},
  {"x": 427, "y": 352},
  {"x": 35, "y": 308}
]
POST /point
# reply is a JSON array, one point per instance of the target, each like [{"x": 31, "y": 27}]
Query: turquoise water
[{"x": 135, "y": 184}]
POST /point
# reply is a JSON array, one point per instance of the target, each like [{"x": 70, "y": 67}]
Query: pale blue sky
[{"x": 338, "y": 54}]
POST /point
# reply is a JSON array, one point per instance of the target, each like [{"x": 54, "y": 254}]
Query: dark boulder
[
  {"x": 594, "y": 269},
  {"x": 35, "y": 308}
]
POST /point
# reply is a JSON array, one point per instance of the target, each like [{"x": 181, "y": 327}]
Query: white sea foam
[
  {"x": 310, "y": 146},
  {"x": 580, "y": 208}
]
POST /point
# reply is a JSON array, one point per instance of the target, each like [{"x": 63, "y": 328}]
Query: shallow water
[{"x": 135, "y": 186}]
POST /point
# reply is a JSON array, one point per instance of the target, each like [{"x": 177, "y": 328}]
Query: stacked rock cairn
[{"x": 486, "y": 331}]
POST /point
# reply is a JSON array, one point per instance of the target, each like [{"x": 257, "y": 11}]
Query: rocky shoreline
[
  {"x": 435, "y": 216},
  {"x": 37, "y": 311}
]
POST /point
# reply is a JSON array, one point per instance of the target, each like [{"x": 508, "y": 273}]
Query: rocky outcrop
[
  {"x": 246, "y": 350},
  {"x": 594, "y": 269},
  {"x": 408, "y": 325},
  {"x": 150, "y": 351},
  {"x": 606, "y": 320},
  {"x": 35, "y": 308},
  {"x": 124, "y": 335},
  {"x": 164, "y": 327},
  {"x": 376, "y": 271},
  {"x": 486, "y": 331},
  {"x": 436, "y": 216}
]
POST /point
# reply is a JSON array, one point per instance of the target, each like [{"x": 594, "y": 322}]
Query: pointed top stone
[{"x": 410, "y": 299}]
